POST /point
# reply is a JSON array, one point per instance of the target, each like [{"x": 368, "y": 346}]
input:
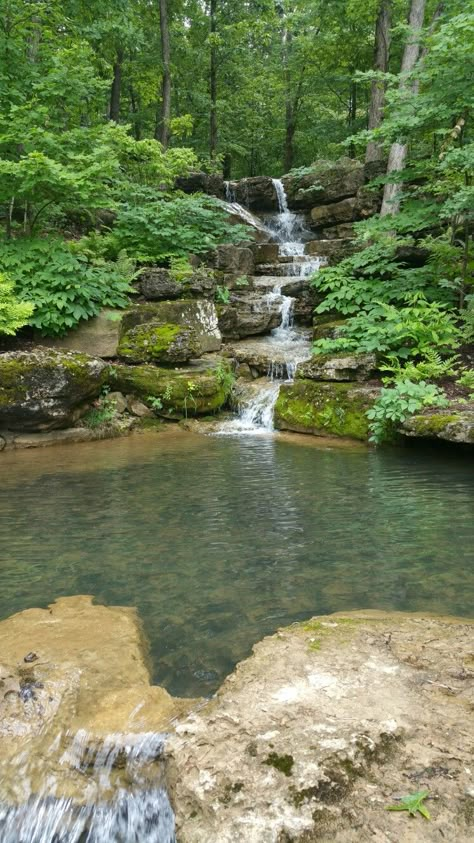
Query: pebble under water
[{"x": 220, "y": 540}]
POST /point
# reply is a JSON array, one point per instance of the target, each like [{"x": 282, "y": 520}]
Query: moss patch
[
  {"x": 335, "y": 409},
  {"x": 283, "y": 763},
  {"x": 159, "y": 343}
]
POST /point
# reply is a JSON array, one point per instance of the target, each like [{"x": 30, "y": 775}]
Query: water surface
[{"x": 220, "y": 540}]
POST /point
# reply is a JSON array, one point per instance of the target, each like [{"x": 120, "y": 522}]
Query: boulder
[
  {"x": 158, "y": 342},
  {"x": 338, "y": 367},
  {"x": 197, "y": 316},
  {"x": 246, "y": 316},
  {"x": 325, "y": 182},
  {"x": 98, "y": 336},
  {"x": 328, "y": 723},
  {"x": 44, "y": 389},
  {"x": 325, "y": 409},
  {"x": 342, "y": 231},
  {"x": 326, "y": 328},
  {"x": 257, "y": 193},
  {"x": 266, "y": 253},
  {"x": 234, "y": 261},
  {"x": 199, "y": 182},
  {"x": 450, "y": 424},
  {"x": 343, "y": 211},
  {"x": 194, "y": 390},
  {"x": 157, "y": 284}
]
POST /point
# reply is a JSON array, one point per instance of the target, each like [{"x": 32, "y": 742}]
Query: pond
[{"x": 220, "y": 540}]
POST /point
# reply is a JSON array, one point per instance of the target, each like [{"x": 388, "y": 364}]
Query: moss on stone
[
  {"x": 283, "y": 763},
  {"x": 324, "y": 409},
  {"x": 160, "y": 343},
  {"x": 432, "y": 425},
  {"x": 182, "y": 392}
]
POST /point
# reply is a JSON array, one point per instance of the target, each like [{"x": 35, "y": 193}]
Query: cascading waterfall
[
  {"x": 287, "y": 345},
  {"x": 119, "y": 797}
]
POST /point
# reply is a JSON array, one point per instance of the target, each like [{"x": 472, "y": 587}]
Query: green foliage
[
  {"x": 413, "y": 803},
  {"x": 225, "y": 376},
  {"x": 466, "y": 380},
  {"x": 242, "y": 281},
  {"x": 63, "y": 287},
  {"x": 432, "y": 367},
  {"x": 152, "y": 230},
  {"x": 102, "y": 413},
  {"x": 14, "y": 314},
  {"x": 222, "y": 295},
  {"x": 154, "y": 402},
  {"x": 404, "y": 332},
  {"x": 180, "y": 269},
  {"x": 398, "y": 402}
]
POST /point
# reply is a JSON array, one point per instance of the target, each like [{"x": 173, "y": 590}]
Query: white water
[
  {"x": 286, "y": 346},
  {"x": 120, "y": 798}
]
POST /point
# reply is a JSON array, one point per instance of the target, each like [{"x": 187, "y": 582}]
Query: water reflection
[{"x": 218, "y": 541}]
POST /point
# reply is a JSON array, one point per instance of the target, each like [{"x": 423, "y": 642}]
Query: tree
[
  {"x": 374, "y": 150},
  {"x": 163, "y": 123}
]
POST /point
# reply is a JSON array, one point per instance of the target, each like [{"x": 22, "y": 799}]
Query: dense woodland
[{"x": 103, "y": 106}]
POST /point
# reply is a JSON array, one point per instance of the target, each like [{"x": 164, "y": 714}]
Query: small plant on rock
[{"x": 396, "y": 403}]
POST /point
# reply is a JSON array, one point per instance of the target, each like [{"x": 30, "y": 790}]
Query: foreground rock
[
  {"x": 327, "y": 724},
  {"x": 338, "y": 367},
  {"x": 45, "y": 389},
  {"x": 169, "y": 331},
  {"x": 325, "y": 409}
]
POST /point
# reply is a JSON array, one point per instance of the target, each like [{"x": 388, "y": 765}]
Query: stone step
[{"x": 290, "y": 285}]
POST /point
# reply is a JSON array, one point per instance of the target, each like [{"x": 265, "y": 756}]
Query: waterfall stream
[{"x": 287, "y": 345}]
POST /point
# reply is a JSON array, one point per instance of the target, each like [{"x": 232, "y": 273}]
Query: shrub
[
  {"x": 398, "y": 402},
  {"x": 63, "y": 287},
  {"x": 13, "y": 313}
]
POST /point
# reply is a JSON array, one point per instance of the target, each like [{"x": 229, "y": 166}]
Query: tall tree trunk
[
  {"x": 213, "y": 83},
  {"x": 352, "y": 114},
  {"x": 398, "y": 151},
  {"x": 162, "y": 130},
  {"x": 135, "y": 107},
  {"x": 374, "y": 151},
  {"x": 116, "y": 89}
]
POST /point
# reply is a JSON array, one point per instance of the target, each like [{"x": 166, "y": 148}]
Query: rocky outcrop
[
  {"x": 194, "y": 390},
  {"x": 343, "y": 211},
  {"x": 169, "y": 331},
  {"x": 246, "y": 316},
  {"x": 327, "y": 724},
  {"x": 98, "y": 337},
  {"x": 199, "y": 182},
  {"x": 338, "y": 367},
  {"x": 325, "y": 409},
  {"x": 333, "y": 251},
  {"x": 451, "y": 424},
  {"x": 44, "y": 389},
  {"x": 233, "y": 262},
  {"x": 257, "y": 193},
  {"x": 156, "y": 284},
  {"x": 324, "y": 183}
]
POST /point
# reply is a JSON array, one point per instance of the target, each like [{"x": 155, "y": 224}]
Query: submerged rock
[
  {"x": 324, "y": 726},
  {"x": 325, "y": 409},
  {"x": 44, "y": 389}
]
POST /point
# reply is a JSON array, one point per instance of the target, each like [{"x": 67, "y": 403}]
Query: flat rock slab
[
  {"x": 324, "y": 726},
  {"x": 451, "y": 424}
]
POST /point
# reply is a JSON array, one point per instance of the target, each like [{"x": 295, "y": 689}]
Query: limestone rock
[
  {"x": 245, "y": 316},
  {"x": 326, "y": 328},
  {"x": 341, "y": 231},
  {"x": 234, "y": 261},
  {"x": 187, "y": 391},
  {"x": 451, "y": 424},
  {"x": 333, "y": 250},
  {"x": 326, "y": 182},
  {"x": 98, "y": 336},
  {"x": 343, "y": 211},
  {"x": 325, "y": 409},
  {"x": 338, "y": 367},
  {"x": 157, "y": 284},
  {"x": 266, "y": 253},
  {"x": 44, "y": 388},
  {"x": 199, "y": 182},
  {"x": 197, "y": 315},
  {"x": 257, "y": 193},
  {"x": 157, "y": 342},
  {"x": 324, "y": 726}
]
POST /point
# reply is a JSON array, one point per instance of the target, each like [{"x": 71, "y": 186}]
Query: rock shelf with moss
[
  {"x": 325, "y": 409},
  {"x": 159, "y": 343}
]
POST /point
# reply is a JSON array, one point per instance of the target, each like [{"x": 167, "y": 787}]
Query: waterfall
[
  {"x": 118, "y": 794},
  {"x": 287, "y": 345}
]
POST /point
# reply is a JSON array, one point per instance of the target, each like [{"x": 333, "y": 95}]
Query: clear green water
[{"x": 219, "y": 541}]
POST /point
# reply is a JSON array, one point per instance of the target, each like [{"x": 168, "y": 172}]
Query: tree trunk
[
  {"x": 352, "y": 115},
  {"x": 162, "y": 132},
  {"x": 213, "y": 84},
  {"x": 290, "y": 127},
  {"x": 374, "y": 150},
  {"x": 135, "y": 107},
  {"x": 398, "y": 151},
  {"x": 116, "y": 89}
]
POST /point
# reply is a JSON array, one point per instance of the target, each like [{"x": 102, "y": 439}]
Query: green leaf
[{"x": 413, "y": 803}]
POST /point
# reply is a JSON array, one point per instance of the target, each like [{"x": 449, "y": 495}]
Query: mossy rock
[
  {"x": 159, "y": 343},
  {"x": 198, "y": 315},
  {"x": 329, "y": 329},
  {"x": 454, "y": 426},
  {"x": 182, "y": 392},
  {"x": 44, "y": 389},
  {"x": 338, "y": 367},
  {"x": 325, "y": 409}
]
